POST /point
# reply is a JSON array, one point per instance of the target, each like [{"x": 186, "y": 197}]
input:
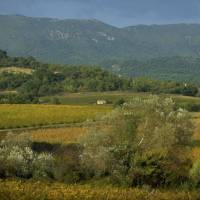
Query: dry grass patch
[
  {"x": 195, "y": 153},
  {"x": 15, "y": 190},
  {"x": 58, "y": 135},
  {"x": 16, "y": 70}
]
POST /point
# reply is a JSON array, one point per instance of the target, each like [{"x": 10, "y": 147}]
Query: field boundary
[{"x": 46, "y": 127}]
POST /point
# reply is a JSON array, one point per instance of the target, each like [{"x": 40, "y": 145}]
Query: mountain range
[{"x": 73, "y": 41}]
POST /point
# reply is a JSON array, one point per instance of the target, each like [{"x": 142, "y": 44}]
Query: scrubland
[{"x": 134, "y": 159}]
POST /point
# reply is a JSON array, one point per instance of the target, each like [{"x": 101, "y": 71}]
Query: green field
[
  {"x": 15, "y": 116},
  {"x": 86, "y": 98}
]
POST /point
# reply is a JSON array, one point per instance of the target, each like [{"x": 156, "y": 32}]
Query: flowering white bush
[
  {"x": 43, "y": 165},
  {"x": 21, "y": 161}
]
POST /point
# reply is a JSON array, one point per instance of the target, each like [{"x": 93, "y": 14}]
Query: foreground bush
[
  {"x": 68, "y": 168},
  {"x": 19, "y": 160},
  {"x": 145, "y": 144},
  {"x": 160, "y": 168},
  {"x": 17, "y": 190},
  {"x": 195, "y": 173}
]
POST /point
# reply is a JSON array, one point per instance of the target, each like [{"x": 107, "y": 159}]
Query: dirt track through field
[{"x": 44, "y": 127}]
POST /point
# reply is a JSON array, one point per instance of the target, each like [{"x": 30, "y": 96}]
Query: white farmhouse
[{"x": 101, "y": 102}]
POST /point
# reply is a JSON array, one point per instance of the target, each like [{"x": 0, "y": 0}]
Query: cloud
[{"x": 116, "y": 12}]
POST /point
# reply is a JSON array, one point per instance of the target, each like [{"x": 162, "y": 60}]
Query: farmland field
[
  {"x": 13, "y": 116},
  {"x": 29, "y": 115},
  {"x": 87, "y": 98}
]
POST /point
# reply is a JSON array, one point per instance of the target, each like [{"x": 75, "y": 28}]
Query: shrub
[
  {"x": 159, "y": 168},
  {"x": 128, "y": 150},
  {"x": 44, "y": 147},
  {"x": 43, "y": 166},
  {"x": 55, "y": 100},
  {"x": 19, "y": 160},
  {"x": 67, "y": 164},
  {"x": 96, "y": 155},
  {"x": 195, "y": 172},
  {"x": 119, "y": 102}
]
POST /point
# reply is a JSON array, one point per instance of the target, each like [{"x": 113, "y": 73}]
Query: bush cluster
[
  {"x": 19, "y": 160},
  {"x": 147, "y": 143}
]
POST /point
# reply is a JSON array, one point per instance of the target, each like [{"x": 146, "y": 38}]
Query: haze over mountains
[{"x": 93, "y": 42}]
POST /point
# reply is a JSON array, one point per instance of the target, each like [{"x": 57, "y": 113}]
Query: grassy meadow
[{"x": 88, "y": 98}]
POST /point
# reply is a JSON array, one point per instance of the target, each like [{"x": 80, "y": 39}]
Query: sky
[{"x": 119, "y": 13}]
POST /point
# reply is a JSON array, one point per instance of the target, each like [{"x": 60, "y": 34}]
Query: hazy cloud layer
[{"x": 116, "y": 12}]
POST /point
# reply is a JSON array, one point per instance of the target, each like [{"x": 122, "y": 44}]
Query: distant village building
[{"x": 101, "y": 102}]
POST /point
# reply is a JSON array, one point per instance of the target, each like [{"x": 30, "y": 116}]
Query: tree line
[{"x": 48, "y": 79}]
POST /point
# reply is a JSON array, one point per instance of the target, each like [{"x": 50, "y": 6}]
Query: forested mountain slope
[{"x": 92, "y": 42}]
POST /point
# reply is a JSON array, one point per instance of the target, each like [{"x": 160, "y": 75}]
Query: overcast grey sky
[{"x": 116, "y": 12}]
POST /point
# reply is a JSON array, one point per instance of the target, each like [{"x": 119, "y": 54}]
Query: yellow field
[
  {"x": 13, "y": 116},
  {"x": 17, "y": 190},
  {"x": 58, "y": 135}
]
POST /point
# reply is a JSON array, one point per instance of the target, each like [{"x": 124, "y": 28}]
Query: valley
[{"x": 92, "y": 111}]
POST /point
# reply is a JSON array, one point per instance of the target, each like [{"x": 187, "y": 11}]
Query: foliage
[
  {"x": 11, "y": 81},
  {"x": 160, "y": 168},
  {"x": 119, "y": 102},
  {"x": 158, "y": 86},
  {"x": 19, "y": 160},
  {"x": 173, "y": 68},
  {"x": 68, "y": 167},
  {"x": 138, "y": 128},
  {"x": 47, "y": 79},
  {"x": 195, "y": 172}
]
